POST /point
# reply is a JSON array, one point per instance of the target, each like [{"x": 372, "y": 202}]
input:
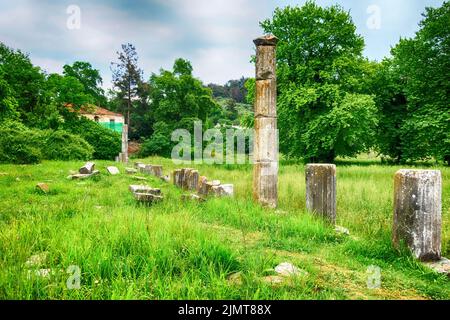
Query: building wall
[{"x": 106, "y": 122}]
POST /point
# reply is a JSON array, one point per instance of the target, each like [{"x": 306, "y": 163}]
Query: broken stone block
[
  {"x": 186, "y": 174},
  {"x": 342, "y": 230},
  {"x": 144, "y": 189},
  {"x": 83, "y": 176},
  {"x": 113, "y": 170},
  {"x": 147, "y": 197},
  {"x": 157, "y": 171},
  {"x": 418, "y": 212},
  {"x": 201, "y": 186},
  {"x": 287, "y": 269},
  {"x": 42, "y": 187},
  {"x": 177, "y": 177},
  {"x": 441, "y": 266},
  {"x": 142, "y": 168},
  {"x": 226, "y": 190},
  {"x": 130, "y": 171},
  {"x": 88, "y": 168},
  {"x": 211, "y": 185},
  {"x": 193, "y": 180},
  {"x": 137, "y": 164},
  {"x": 187, "y": 197}
]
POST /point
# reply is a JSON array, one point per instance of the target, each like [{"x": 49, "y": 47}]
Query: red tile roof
[{"x": 101, "y": 112}]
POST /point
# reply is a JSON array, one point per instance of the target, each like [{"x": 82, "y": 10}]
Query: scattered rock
[
  {"x": 144, "y": 189},
  {"x": 113, "y": 170},
  {"x": 235, "y": 278},
  {"x": 42, "y": 187},
  {"x": 37, "y": 260},
  {"x": 88, "y": 168},
  {"x": 81, "y": 176},
  {"x": 137, "y": 164},
  {"x": 442, "y": 266},
  {"x": 342, "y": 230},
  {"x": 166, "y": 178},
  {"x": 186, "y": 197},
  {"x": 147, "y": 197},
  {"x": 225, "y": 190},
  {"x": 287, "y": 269},
  {"x": 130, "y": 171}
]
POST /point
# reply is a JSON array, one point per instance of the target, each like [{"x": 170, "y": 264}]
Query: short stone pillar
[
  {"x": 321, "y": 190},
  {"x": 417, "y": 212},
  {"x": 265, "y": 151}
]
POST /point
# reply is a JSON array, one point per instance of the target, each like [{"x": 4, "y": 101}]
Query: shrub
[
  {"x": 19, "y": 144},
  {"x": 106, "y": 143},
  {"x": 61, "y": 145},
  {"x": 158, "y": 144}
]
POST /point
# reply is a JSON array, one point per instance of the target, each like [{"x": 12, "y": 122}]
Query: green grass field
[{"x": 187, "y": 250}]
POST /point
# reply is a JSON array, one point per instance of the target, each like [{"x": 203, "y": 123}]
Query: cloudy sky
[{"x": 215, "y": 35}]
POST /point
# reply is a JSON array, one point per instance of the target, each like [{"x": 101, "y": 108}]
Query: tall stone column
[
  {"x": 265, "y": 151},
  {"x": 124, "y": 154},
  {"x": 417, "y": 212}
]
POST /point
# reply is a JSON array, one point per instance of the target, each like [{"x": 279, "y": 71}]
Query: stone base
[{"x": 442, "y": 266}]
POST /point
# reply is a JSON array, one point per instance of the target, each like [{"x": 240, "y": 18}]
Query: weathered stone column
[
  {"x": 417, "y": 212},
  {"x": 124, "y": 154},
  {"x": 265, "y": 151},
  {"x": 321, "y": 190}
]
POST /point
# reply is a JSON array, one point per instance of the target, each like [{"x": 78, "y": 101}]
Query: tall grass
[{"x": 187, "y": 250}]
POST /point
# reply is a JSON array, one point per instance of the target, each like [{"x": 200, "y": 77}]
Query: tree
[
  {"x": 423, "y": 65},
  {"x": 126, "y": 79},
  {"x": 322, "y": 111},
  {"x": 24, "y": 83},
  {"x": 177, "y": 95},
  {"x": 89, "y": 77}
]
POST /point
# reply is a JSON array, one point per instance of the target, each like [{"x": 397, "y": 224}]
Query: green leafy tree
[
  {"x": 90, "y": 78},
  {"x": 424, "y": 67},
  {"x": 24, "y": 83},
  {"x": 323, "y": 112}
]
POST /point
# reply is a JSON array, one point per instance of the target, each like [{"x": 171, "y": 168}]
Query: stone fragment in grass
[
  {"x": 226, "y": 190},
  {"x": 88, "y": 168},
  {"x": 42, "y": 187},
  {"x": 342, "y": 230},
  {"x": 287, "y": 269},
  {"x": 130, "y": 171},
  {"x": 201, "y": 186},
  {"x": 441, "y": 266},
  {"x": 186, "y": 197},
  {"x": 136, "y": 164},
  {"x": 113, "y": 170},
  {"x": 83, "y": 176},
  {"x": 37, "y": 260},
  {"x": 177, "y": 177},
  {"x": 165, "y": 178},
  {"x": 144, "y": 189},
  {"x": 141, "y": 167},
  {"x": 235, "y": 278},
  {"x": 147, "y": 197},
  {"x": 157, "y": 171},
  {"x": 210, "y": 186}
]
